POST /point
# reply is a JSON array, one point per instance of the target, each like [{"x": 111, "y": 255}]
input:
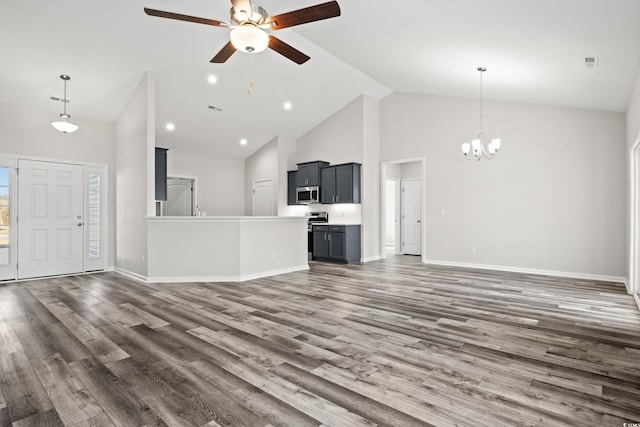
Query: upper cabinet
[
  {"x": 292, "y": 183},
  {"x": 161, "y": 173},
  {"x": 340, "y": 183},
  {"x": 309, "y": 173}
]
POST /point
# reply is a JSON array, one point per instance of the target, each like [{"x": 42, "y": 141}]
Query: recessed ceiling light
[
  {"x": 243, "y": 141},
  {"x": 212, "y": 79},
  {"x": 288, "y": 105},
  {"x": 170, "y": 126}
]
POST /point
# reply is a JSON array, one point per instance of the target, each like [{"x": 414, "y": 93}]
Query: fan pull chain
[{"x": 251, "y": 85}]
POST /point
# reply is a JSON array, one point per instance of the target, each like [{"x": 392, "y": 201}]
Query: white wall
[
  {"x": 552, "y": 200},
  {"x": 28, "y": 132},
  {"x": 261, "y": 165},
  {"x": 219, "y": 181},
  {"x": 371, "y": 208},
  {"x": 134, "y": 142},
  {"x": 633, "y": 132}
]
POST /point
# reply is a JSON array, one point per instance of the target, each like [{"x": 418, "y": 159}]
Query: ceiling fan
[{"x": 249, "y": 22}]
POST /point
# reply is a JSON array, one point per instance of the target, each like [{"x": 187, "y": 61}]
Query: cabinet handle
[
  {"x": 329, "y": 237},
  {"x": 338, "y": 198}
]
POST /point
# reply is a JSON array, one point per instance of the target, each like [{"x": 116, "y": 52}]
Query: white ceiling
[{"x": 533, "y": 51}]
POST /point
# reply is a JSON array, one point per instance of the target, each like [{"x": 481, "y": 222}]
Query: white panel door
[
  {"x": 179, "y": 197},
  {"x": 50, "y": 219},
  {"x": 263, "y": 198},
  {"x": 412, "y": 216}
]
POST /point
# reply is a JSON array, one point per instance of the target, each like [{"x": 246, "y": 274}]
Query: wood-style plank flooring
[{"x": 390, "y": 342}]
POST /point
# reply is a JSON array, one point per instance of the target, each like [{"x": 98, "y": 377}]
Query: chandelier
[
  {"x": 64, "y": 125},
  {"x": 479, "y": 147}
]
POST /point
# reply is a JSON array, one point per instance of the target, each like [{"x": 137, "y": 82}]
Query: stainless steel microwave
[{"x": 307, "y": 195}]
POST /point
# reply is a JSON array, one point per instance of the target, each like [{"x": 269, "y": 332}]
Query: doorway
[
  {"x": 634, "y": 261},
  {"x": 392, "y": 220},
  {"x": 402, "y": 199},
  {"x": 180, "y": 199},
  {"x": 63, "y": 211},
  {"x": 263, "y": 198}
]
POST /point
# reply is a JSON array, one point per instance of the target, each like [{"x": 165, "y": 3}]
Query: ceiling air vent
[
  {"x": 214, "y": 108},
  {"x": 590, "y": 61}
]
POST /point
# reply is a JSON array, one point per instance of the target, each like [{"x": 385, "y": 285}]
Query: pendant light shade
[
  {"x": 249, "y": 38},
  {"x": 64, "y": 125},
  {"x": 478, "y": 147}
]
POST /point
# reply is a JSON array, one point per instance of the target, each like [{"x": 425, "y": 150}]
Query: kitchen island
[{"x": 224, "y": 249}]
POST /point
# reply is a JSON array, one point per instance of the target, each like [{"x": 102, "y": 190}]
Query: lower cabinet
[{"x": 339, "y": 243}]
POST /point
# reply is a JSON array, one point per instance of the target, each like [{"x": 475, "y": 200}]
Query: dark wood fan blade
[
  {"x": 287, "y": 50},
  {"x": 224, "y": 54},
  {"x": 180, "y": 17},
  {"x": 302, "y": 16}
]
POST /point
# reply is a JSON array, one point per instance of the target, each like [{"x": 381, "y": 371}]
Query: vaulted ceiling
[{"x": 533, "y": 51}]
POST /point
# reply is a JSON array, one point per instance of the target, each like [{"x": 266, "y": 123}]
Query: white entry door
[
  {"x": 179, "y": 197},
  {"x": 263, "y": 198},
  {"x": 412, "y": 216},
  {"x": 50, "y": 219}
]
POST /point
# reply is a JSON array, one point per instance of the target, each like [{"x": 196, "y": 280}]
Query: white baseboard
[
  {"x": 637, "y": 298},
  {"x": 131, "y": 275},
  {"x": 239, "y": 278},
  {"x": 371, "y": 258},
  {"x": 615, "y": 279}
]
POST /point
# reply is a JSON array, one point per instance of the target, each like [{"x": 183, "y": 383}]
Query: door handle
[
  {"x": 79, "y": 224},
  {"x": 418, "y": 221}
]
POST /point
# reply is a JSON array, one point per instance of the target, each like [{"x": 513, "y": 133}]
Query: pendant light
[
  {"x": 478, "y": 147},
  {"x": 64, "y": 125}
]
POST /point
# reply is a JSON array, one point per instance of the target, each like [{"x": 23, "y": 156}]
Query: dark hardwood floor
[{"x": 390, "y": 342}]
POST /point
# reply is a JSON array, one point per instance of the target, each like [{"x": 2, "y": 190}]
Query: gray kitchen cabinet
[
  {"x": 292, "y": 183},
  {"x": 340, "y": 183},
  {"x": 161, "y": 173},
  {"x": 339, "y": 243},
  {"x": 309, "y": 173}
]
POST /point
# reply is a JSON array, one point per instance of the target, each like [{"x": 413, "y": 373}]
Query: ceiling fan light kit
[
  {"x": 478, "y": 147},
  {"x": 249, "y": 23},
  {"x": 64, "y": 125},
  {"x": 249, "y": 38}
]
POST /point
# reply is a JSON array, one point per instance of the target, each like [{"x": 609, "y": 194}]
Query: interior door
[
  {"x": 179, "y": 197},
  {"x": 263, "y": 198},
  {"x": 412, "y": 216},
  {"x": 50, "y": 219}
]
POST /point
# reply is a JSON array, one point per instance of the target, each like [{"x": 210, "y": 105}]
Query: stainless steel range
[{"x": 314, "y": 218}]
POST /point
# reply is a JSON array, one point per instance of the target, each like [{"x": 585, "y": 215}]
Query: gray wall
[
  {"x": 552, "y": 200},
  {"x": 219, "y": 181}
]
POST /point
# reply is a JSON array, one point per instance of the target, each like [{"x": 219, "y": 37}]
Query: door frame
[
  {"x": 102, "y": 168},
  {"x": 633, "y": 287},
  {"x": 384, "y": 168}
]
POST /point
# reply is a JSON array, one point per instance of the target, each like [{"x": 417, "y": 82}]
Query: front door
[
  {"x": 412, "y": 216},
  {"x": 50, "y": 219}
]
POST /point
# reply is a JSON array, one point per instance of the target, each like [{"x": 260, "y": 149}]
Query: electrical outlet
[
  {"x": 143, "y": 259},
  {"x": 443, "y": 212},
  {"x": 473, "y": 251}
]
